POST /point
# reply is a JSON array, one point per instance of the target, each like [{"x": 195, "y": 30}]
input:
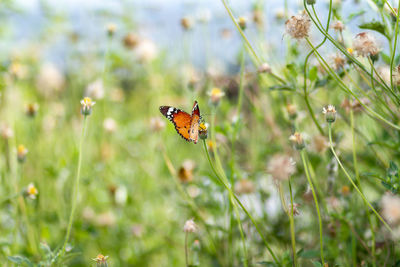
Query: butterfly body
[{"x": 187, "y": 125}]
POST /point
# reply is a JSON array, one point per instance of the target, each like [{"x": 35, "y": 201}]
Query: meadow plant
[{"x": 296, "y": 119}]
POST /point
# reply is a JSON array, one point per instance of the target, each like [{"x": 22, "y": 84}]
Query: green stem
[
  {"x": 186, "y": 250},
  {"x": 292, "y": 232},
  {"x": 303, "y": 158},
  {"x": 232, "y": 203},
  {"x": 359, "y": 184},
  {"x": 76, "y": 186},
  {"x": 221, "y": 180},
  {"x": 346, "y": 89},
  {"x": 394, "y": 47},
  {"x": 249, "y": 46},
  {"x": 352, "y": 182},
  {"x": 192, "y": 205}
]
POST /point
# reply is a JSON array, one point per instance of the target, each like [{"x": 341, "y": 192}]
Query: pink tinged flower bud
[
  {"x": 330, "y": 113},
  {"x": 297, "y": 140},
  {"x": 190, "y": 226}
]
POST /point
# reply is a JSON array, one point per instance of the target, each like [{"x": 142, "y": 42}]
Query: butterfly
[{"x": 185, "y": 124}]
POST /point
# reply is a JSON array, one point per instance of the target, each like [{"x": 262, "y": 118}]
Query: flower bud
[
  {"x": 31, "y": 109},
  {"x": 330, "y": 113},
  {"x": 242, "y": 23},
  {"x": 131, "y": 41},
  {"x": 215, "y": 95},
  {"x": 264, "y": 68},
  {"x": 21, "y": 153},
  {"x": 203, "y": 131},
  {"x": 101, "y": 260},
  {"x": 111, "y": 29},
  {"x": 297, "y": 141},
  {"x": 31, "y": 191},
  {"x": 186, "y": 23},
  {"x": 185, "y": 173},
  {"x": 190, "y": 226},
  {"x": 87, "y": 105},
  {"x": 292, "y": 111},
  {"x": 295, "y": 209}
]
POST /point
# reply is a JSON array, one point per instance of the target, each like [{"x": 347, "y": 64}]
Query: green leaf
[
  {"x": 281, "y": 88},
  {"x": 317, "y": 264},
  {"x": 20, "y": 260},
  {"x": 313, "y": 75},
  {"x": 355, "y": 15},
  {"x": 321, "y": 82},
  {"x": 267, "y": 263},
  {"x": 397, "y": 60},
  {"x": 393, "y": 170},
  {"x": 309, "y": 254},
  {"x": 388, "y": 186},
  {"x": 386, "y": 58},
  {"x": 292, "y": 69},
  {"x": 374, "y": 26}
]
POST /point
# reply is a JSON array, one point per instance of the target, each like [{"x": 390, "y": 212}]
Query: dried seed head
[
  {"x": 244, "y": 186},
  {"x": 95, "y": 89},
  {"x": 281, "y": 167},
  {"x": 258, "y": 17},
  {"x": 185, "y": 172},
  {"x": 298, "y": 27},
  {"x": 391, "y": 208},
  {"x": 50, "y": 80},
  {"x": 358, "y": 106},
  {"x": 338, "y": 26},
  {"x": 338, "y": 61},
  {"x": 6, "y": 131},
  {"x": 110, "y": 125},
  {"x": 355, "y": 105},
  {"x": 157, "y": 124},
  {"x": 396, "y": 75},
  {"x": 330, "y": 113},
  {"x": 297, "y": 140},
  {"x": 31, "y": 109},
  {"x": 131, "y": 40},
  {"x": 190, "y": 226},
  {"x": 186, "y": 23},
  {"x": 365, "y": 44},
  {"x": 295, "y": 209},
  {"x": 264, "y": 68},
  {"x": 345, "y": 190},
  {"x": 320, "y": 143}
]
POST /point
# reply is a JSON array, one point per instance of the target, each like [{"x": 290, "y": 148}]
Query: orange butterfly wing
[
  {"x": 180, "y": 119},
  {"x": 194, "y": 123}
]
